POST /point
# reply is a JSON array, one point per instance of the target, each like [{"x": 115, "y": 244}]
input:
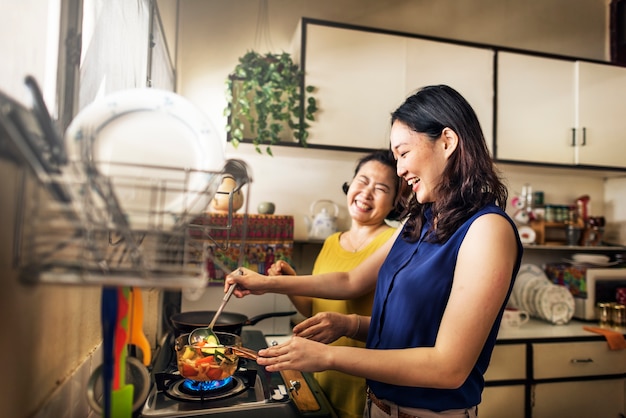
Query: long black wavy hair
[
  {"x": 402, "y": 191},
  {"x": 469, "y": 181}
]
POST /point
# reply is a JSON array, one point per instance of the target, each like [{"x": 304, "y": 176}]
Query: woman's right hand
[
  {"x": 279, "y": 268},
  {"x": 248, "y": 282},
  {"x": 295, "y": 354}
]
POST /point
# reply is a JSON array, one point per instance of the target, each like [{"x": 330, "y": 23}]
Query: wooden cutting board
[{"x": 303, "y": 396}]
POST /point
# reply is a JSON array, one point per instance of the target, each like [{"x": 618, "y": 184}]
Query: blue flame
[{"x": 195, "y": 386}]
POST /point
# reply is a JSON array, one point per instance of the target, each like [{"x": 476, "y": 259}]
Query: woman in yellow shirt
[{"x": 372, "y": 196}]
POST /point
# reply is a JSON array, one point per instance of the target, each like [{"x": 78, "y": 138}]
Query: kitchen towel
[{"x": 615, "y": 339}]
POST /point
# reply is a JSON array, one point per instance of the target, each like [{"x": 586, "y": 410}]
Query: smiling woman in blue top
[{"x": 441, "y": 284}]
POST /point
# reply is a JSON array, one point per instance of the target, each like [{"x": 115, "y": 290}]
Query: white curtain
[{"x": 115, "y": 43}]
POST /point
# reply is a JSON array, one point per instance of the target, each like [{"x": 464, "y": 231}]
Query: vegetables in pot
[{"x": 207, "y": 360}]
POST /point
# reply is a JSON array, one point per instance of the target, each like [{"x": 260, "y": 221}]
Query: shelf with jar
[{"x": 575, "y": 232}]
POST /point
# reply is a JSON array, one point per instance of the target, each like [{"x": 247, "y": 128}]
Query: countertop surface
[
  {"x": 534, "y": 329},
  {"x": 537, "y": 329}
]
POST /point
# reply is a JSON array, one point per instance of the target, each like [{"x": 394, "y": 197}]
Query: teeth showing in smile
[
  {"x": 413, "y": 181},
  {"x": 361, "y": 205}
]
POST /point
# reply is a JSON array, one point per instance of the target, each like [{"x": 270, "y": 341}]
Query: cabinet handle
[
  {"x": 584, "y": 136},
  {"x": 581, "y": 360},
  {"x": 573, "y": 137}
]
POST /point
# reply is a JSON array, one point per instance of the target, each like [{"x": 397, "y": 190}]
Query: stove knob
[
  {"x": 278, "y": 395},
  {"x": 294, "y": 385}
]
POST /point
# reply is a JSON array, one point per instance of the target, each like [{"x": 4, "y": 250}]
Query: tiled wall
[{"x": 69, "y": 400}]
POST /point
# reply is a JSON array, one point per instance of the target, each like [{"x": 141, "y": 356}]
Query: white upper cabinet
[
  {"x": 361, "y": 77},
  {"x": 468, "y": 70},
  {"x": 601, "y": 133},
  {"x": 535, "y": 109},
  {"x": 557, "y": 111},
  {"x": 548, "y": 109},
  {"x": 359, "y": 81}
]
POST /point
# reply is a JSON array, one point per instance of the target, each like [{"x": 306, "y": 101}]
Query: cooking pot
[
  {"x": 204, "y": 364},
  {"x": 229, "y": 322}
]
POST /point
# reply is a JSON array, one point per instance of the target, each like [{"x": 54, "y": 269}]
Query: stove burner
[
  {"x": 189, "y": 390},
  {"x": 193, "y": 387}
]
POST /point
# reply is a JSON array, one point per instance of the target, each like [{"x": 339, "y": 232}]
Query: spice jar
[
  {"x": 618, "y": 315},
  {"x": 603, "y": 313}
]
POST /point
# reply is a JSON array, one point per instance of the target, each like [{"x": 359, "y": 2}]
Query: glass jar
[
  {"x": 549, "y": 213},
  {"x": 618, "y": 315},
  {"x": 603, "y": 313}
]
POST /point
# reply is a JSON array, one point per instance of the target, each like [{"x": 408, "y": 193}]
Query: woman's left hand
[{"x": 295, "y": 354}]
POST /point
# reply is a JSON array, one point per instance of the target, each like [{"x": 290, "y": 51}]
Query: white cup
[{"x": 513, "y": 318}]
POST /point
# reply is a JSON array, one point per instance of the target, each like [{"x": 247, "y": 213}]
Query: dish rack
[
  {"x": 147, "y": 226},
  {"x": 77, "y": 230}
]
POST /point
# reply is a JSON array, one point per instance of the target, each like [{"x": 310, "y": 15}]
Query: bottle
[{"x": 527, "y": 195}]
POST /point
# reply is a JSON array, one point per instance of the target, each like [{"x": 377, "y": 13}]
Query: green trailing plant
[{"x": 264, "y": 96}]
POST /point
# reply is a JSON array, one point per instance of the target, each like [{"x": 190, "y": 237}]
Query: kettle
[
  {"x": 222, "y": 200},
  {"x": 322, "y": 224}
]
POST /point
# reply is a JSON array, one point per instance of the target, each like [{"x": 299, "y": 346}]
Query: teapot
[
  {"x": 221, "y": 200},
  {"x": 322, "y": 224}
]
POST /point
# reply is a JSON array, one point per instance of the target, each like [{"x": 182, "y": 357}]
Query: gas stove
[{"x": 250, "y": 392}]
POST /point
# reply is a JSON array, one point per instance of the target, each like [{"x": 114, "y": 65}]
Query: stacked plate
[
  {"x": 534, "y": 293},
  {"x": 594, "y": 260}
]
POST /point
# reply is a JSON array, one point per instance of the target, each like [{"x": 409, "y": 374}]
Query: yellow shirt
[{"x": 345, "y": 392}]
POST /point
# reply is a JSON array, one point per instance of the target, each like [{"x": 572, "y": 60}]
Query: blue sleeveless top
[{"x": 412, "y": 291}]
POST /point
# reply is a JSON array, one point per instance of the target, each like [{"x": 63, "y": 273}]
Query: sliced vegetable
[
  {"x": 188, "y": 353},
  {"x": 212, "y": 340},
  {"x": 205, "y": 360},
  {"x": 215, "y": 374},
  {"x": 189, "y": 370}
]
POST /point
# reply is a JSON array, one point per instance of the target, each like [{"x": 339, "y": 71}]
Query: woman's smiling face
[
  {"x": 421, "y": 161},
  {"x": 372, "y": 192}
]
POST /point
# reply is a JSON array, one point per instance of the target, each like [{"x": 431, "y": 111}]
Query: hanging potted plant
[{"x": 266, "y": 102}]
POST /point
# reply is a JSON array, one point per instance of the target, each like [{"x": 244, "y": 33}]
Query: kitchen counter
[
  {"x": 540, "y": 370},
  {"x": 533, "y": 330},
  {"x": 541, "y": 330}
]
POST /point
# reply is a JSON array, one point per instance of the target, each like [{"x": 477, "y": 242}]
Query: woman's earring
[{"x": 345, "y": 187}]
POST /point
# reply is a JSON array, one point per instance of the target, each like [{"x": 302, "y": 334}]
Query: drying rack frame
[
  {"x": 93, "y": 239},
  {"x": 76, "y": 225}
]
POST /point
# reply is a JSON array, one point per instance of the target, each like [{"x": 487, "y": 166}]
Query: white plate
[
  {"x": 527, "y": 235},
  {"x": 529, "y": 276},
  {"x": 593, "y": 264},
  {"x": 169, "y": 147},
  {"x": 556, "y": 304},
  {"x": 590, "y": 258}
]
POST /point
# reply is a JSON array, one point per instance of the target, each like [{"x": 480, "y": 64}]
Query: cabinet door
[
  {"x": 535, "y": 109},
  {"x": 591, "y": 358},
  {"x": 602, "y": 91},
  {"x": 361, "y": 77},
  {"x": 502, "y": 401},
  {"x": 359, "y": 80},
  {"x": 468, "y": 70},
  {"x": 597, "y": 398},
  {"x": 508, "y": 362}
]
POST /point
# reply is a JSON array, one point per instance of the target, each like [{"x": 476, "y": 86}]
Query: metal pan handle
[{"x": 258, "y": 318}]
